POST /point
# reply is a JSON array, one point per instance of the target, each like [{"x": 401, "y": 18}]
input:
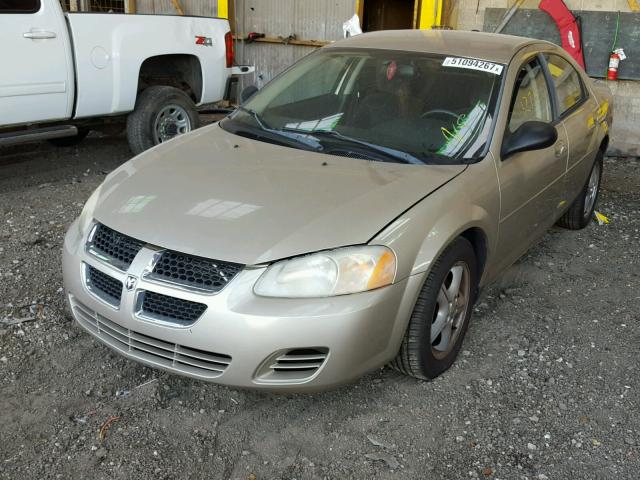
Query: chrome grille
[
  {"x": 199, "y": 273},
  {"x": 113, "y": 247},
  {"x": 171, "y": 356},
  {"x": 104, "y": 286},
  {"x": 170, "y": 309}
]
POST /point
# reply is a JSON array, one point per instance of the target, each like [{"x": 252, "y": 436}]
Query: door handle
[
  {"x": 560, "y": 150},
  {"x": 39, "y": 35}
]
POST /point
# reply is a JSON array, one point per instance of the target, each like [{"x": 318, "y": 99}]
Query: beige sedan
[{"x": 345, "y": 216}]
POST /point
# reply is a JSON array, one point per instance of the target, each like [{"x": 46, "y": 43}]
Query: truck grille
[
  {"x": 178, "y": 358},
  {"x": 114, "y": 248},
  {"x": 171, "y": 309},
  {"x": 199, "y": 273},
  {"x": 104, "y": 286}
]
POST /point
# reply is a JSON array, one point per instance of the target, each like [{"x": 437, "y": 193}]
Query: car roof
[{"x": 481, "y": 45}]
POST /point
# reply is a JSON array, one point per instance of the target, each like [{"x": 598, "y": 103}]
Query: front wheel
[
  {"x": 581, "y": 210},
  {"x": 441, "y": 314},
  {"x": 161, "y": 113}
]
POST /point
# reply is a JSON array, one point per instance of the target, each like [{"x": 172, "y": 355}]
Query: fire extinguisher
[{"x": 614, "y": 63}]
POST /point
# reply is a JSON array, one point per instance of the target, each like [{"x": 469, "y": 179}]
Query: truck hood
[{"x": 218, "y": 195}]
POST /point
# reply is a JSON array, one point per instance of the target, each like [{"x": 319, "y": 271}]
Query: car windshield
[{"x": 379, "y": 105}]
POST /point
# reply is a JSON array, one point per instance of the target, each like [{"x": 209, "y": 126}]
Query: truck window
[{"x": 19, "y": 6}]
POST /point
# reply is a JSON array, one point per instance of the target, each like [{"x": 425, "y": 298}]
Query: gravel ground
[{"x": 546, "y": 386}]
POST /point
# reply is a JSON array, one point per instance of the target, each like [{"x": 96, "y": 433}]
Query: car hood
[{"x": 218, "y": 195}]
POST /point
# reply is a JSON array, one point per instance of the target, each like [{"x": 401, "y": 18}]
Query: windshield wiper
[
  {"x": 305, "y": 140},
  {"x": 389, "y": 152},
  {"x": 256, "y": 116}
]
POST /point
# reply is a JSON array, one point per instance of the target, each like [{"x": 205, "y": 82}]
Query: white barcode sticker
[{"x": 473, "y": 64}]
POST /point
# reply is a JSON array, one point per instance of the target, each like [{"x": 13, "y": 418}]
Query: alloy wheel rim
[
  {"x": 450, "y": 313},
  {"x": 592, "y": 189},
  {"x": 172, "y": 120}
]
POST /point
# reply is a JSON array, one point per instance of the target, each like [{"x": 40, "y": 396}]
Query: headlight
[
  {"x": 325, "y": 274},
  {"x": 87, "y": 212}
]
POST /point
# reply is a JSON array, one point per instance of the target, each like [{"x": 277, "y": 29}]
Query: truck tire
[
  {"x": 70, "y": 141},
  {"x": 161, "y": 113}
]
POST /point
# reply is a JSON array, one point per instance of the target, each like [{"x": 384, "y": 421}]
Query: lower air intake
[
  {"x": 177, "y": 358},
  {"x": 295, "y": 365}
]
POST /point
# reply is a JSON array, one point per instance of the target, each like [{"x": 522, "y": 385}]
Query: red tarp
[{"x": 566, "y": 22}]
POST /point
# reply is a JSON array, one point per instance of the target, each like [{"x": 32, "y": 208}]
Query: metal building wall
[
  {"x": 206, "y": 8},
  {"x": 307, "y": 19}
]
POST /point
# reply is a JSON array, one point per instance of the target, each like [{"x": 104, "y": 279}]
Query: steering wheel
[{"x": 440, "y": 111}]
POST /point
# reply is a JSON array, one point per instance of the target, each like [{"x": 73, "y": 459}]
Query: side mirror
[
  {"x": 529, "y": 136},
  {"x": 247, "y": 93}
]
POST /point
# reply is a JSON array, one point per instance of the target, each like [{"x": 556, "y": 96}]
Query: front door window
[{"x": 530, "y": 101}]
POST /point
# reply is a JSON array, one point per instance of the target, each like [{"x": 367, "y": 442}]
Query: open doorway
[{"x": 388, "y": 15}]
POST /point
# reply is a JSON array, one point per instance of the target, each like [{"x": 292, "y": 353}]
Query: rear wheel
[
  {"x": 441, "y": 315},
  {"x": 161, "y": 113},
  {"x": 581, "y": 210}
]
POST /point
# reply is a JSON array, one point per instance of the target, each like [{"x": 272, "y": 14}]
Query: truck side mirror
[{"x": 247, "y": 93}]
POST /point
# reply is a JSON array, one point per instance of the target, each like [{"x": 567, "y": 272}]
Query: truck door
[{"x": 36, "y": 83}]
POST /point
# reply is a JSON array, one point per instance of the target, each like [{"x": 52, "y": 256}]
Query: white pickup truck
[{"x": 63, "y": 74}]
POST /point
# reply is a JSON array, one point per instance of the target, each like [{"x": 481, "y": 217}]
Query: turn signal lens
[{"x": 384, "y": 272}]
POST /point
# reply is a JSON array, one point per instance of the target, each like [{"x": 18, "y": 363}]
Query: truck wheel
[
  {"x": 161, "y": 113},
  {"x": 70, "y": 141}
]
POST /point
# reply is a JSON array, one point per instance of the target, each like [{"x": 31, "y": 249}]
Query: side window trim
[
  {"x": 583, "y": 91},
  {"x": 553, "y": 94},
  {"x": 36, "y": 9}
]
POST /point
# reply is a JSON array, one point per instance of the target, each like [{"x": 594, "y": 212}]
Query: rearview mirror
[
  {"x": 247, "y": 93},
  {"x": 529, "y": 136}
]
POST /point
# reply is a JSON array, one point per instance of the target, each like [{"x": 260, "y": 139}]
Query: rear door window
[
  {"x": 566, "y": 81},
  {"x": 19, "y": 6}
]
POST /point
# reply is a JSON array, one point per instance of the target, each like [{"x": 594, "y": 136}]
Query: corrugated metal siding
[
  {"x": 307, "y": 19},
  {"x": 270, "y": 59},
  {"x": 206, "y": 8}
]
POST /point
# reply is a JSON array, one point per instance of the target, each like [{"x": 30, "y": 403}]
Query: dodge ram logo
[
  {"x": 206, "y": 41},
  {"x": 130, "y": 282}
]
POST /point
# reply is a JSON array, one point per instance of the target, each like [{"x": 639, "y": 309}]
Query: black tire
[
  {"x": 576, "y": 218},
  {"x": 70, "y": 141},
  {"x": 141, "y": 123},
  {"x": 416, "y": 356}
]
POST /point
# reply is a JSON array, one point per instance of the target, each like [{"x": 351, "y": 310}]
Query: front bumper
[{"x": 241, "y": 336}]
